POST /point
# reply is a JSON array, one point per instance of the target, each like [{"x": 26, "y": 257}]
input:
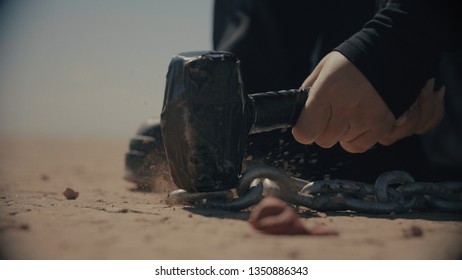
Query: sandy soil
[{"x": 109, "y": 221}]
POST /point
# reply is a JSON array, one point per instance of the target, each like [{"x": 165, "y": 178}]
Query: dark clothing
[
  {"x": 443, "y": 143},
  {"x": 400, "y": 48},
  {"x": 280, "y": 42}
]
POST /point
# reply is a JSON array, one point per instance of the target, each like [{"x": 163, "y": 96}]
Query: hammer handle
[{"x": 277, "y": 109}]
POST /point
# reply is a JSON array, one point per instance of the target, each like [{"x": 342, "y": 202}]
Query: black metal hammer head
[{"x": 205, "y": 120}]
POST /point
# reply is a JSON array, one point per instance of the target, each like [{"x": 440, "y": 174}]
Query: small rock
[
  {"x": 24, "y": 227},
  {"x": 70, "y": 193},
  {"x": 413, "y": 231},
  {"x": 416, "y": 231}
]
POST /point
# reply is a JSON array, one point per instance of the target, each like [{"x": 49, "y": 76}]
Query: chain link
[{"x": 392, "y": 192}]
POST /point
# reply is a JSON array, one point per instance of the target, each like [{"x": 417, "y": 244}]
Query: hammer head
[{"x": 205, "y": 120}]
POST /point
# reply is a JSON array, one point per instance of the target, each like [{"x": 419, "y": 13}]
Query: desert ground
[{"x": 108, "y": 220}]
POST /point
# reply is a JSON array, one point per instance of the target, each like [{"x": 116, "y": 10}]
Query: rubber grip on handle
[{"x": 277, "y": 109}]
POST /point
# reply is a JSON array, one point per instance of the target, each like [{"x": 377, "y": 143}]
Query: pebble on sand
[{"x": 70, "y": 193}]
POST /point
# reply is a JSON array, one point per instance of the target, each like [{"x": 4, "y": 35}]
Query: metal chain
[{"x": 392, "y": 192}]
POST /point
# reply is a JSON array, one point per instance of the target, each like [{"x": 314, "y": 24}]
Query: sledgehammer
[{"x": 206, "y": 118}]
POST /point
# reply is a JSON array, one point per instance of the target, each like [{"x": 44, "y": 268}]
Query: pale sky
[{"x": 91, "y": 68}]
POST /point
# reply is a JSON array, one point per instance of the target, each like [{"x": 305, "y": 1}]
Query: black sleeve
[{"x": 399, "y": 49}]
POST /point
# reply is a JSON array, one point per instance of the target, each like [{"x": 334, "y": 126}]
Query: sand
[{"x": 110, "y": 221}]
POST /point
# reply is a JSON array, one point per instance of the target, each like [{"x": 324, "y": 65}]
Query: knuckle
[
  {"x": 324, "y": 143},
  {"x": 353, "y": 147},
  {"x": 301, "y": 136},
  {"x": 388, "y": 140}
]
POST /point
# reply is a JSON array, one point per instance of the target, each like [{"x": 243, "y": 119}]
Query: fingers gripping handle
[{"x": 277, "y": 109}]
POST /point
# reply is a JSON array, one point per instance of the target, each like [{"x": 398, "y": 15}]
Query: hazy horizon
[{"x": 91, "y": 68}]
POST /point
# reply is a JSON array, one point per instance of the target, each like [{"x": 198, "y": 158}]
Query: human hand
[
  {"x": 342, "y": 107},
  {"x": 423, "y": 115}
]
